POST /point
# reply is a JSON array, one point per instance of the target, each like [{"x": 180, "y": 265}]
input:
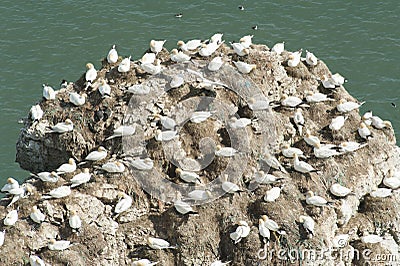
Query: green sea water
[{"x": 47, "y": 41}]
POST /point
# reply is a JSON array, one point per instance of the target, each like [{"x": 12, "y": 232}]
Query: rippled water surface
[{"x": 53, "y": 40}]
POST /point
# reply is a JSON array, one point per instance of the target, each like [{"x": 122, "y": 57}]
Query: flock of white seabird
[{"x": 152, "y": 65}]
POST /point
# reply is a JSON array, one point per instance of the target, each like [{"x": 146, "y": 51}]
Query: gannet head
[{"x": 89, "y": 66}]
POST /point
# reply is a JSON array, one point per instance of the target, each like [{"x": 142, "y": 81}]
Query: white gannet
[
  {"x": 278, "y": 48},
  {"x": 48, "y": 92},
  {"x": 158, "y": 243},
  {"x": 142, "y": 164},
  {"x": 301, "y": 166},
  {"x": 294, "y": 58},
  {"x": 289, "y": 152},
  {"x": 350, "y": 146},
  {"x": 148, "y": 58},
  {"x": 144, "y": 262},
  {"x": 200, "y": 116},
  {"x": 11, "y": 218},
  {"x": 183, "y": 207},
  {"x": 366, "y": 118},
  {"x": 67, "y": 167},
  {"x": 311, "y": 140},
  {"x": 191, "y": 45},
  {"x": 298, "y": 119},
  {"x": 258, "y": 104},
  {"x": 311, "y": 59},
  {"x": 215, "y": 64},
  {"x": 36, "y": 112},
  {"x": 246, "y": 41},
  {"x": 271, "y": 224},
  {"x": 166, "y": 135},
  {"x": 311, "y": 199},
  {"x": 58, "y": 245},
  {"x": 36, "y": 215},
  {"x": 392, "y": 180},
  {"x": 22, "y": 192},
  {"x": 77, "y": 99},
  {"x": 47, "y": 176},
  {"x": 2, "y": 236},
  {"x": 156, "y": 46},
  {"x": 166, "y": 122},
  {"x": 125, "y": 65},
  {"x": 316, "y": 97},
  {"x": 208, "y": 49},
  {"x": 239, "y": 123},
  {"x": 124, "y": 203},
  {"x": 263, "y": 178},
  {"x": 11, "y": 184},
  {"x": 364, "y": 131},
  {"x": 188, "y": 176},
  {"x": 271, "y": 161},
  {"x": 272, "y": 194},
  {"x": 179, "y": 57},
  {"x": 337, "y": 123},
  {"x": 240, "y": 49},
  {"x": 340, "y": 241},
  {"x": 113, "y": 167},
  {"x": 81, "y": 178},
  {"x": 263, "y": 230},
  {"x": 244, "y": 67},
  {"x": 91, "y": 73},
  {"x": 328, "y": 82},
  {"x": 74, "y": 220},
  {"x": 308, "y": 224},
  {"x": 36, "y": 261},
  {"x": 97, "y": 155},
  {"x": 62, "y": 127},
  {"x": 228, "y": 186},
  {"x": 220, "y": 263},
  {"x": 123, "y": 131},
  {"x": 290, "y": 101},
  {"x": 224, "y": 151},
  {"x": 371, "y": 239},
  {"x": 58, "y": 193},
  {"x": 378, "y": 123},
  {"x": 381, "y": 192},
  {"x": 176, "y": 81},
  {"x": 112, "y": 56},
  {"x": 241, "y": 231},
  {"x": 338, "y": 79},
  {"x": 104, "y": 88},
  {"x": 152, "y": 69},
  {"x": 217, "y": 38},
  {"x": 198, "y": 194},
  {"x": 339, "y": 191},
  {"x": 323, "y": 151},
  {"x": 139, "y": 89},
  {"x": 345, "y": 106}
]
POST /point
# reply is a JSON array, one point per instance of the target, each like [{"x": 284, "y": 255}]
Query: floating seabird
[
  {"x": 272, "y": 194},
  {"x": 241, "y": 231},
  {"x": 91, "y": 73},
  {"x": 364, "y": 131},
  {"x": 311, "y": 199},
  {"x": 77, "y": 99},
  {"x": 142, "y": 164},
  {"x": 289, "y": 152},
  {"x": 112, "y": 56},
  {"x": 36, "y": 215},
  {"x": 166, "y": 135},
  {"x": 217, "y": 38},
  {"x": 67, "y": 167},
  {"x": 381, "y": 192},
  {"x": 246, "y": 41},
  {"x": 298, "y": 120},
  {"x": 81, "y": 178},
  {"x": 51, "y": 177},
  {"x": 179, "y": 57},
  {"x": 278, "y": 48},
  {"x": 239, "y": 123},
  {"x": 215, "y": 64},
  {"x": 123, "y": 131},
  {"x": 339, "y": 191},
  {"x": 294, "y": 58},
  {"x": 188, "y": 176},
  {"x": 311, "y": 140},
  {"x": 311, "y": 59},
  {"x": 36, "y": 261},
  {"x": 301, "y": 166},
  {"x": 36, "y": 112},
  {"x": 124, "y": 203},
  {"x": 156, "y": 46},
  {"x": 241, "y": 8},
  {"x": 11, "y": 184},
  {"x": 290, "y": 101},
  {"x": 191, "y": 45},
  {"x": 59, "y": 244},
  {"x": 224, "y": 151},
  {"x": 158, "y": 243},
  {"x": 144, "y": 262},
  {"x": 258, "y": 104},
  {"x": 148, "y": 58},
  {"x": 62, "y": 127},
  {"x": 58, "y": 193},
  {"x": 308, "y": 224},
  {"x": 104, "y": 88},
  {"x": 139, "y": 89},
  {"x": 74, "y": 220},
  {"x": 48, "y": 92},
  {"x": 244, "y": 67},
  {"x": 125, "y": 65},
  {"x": 345, "y": 106},
  {"x": 378, "y": 123},
  {"x": 255, "y": 27},
  {"x": 97, "y": 155},
  {"x": 11, "y": 218},
  {"x": 316, "y": 97},
  {"x": 152, "y": 69},
  {"x": 179, "y": 15},
  {"x": 113, "y": 167},
  {"x": 200, "y": 116},
  {"x": 240, "y": 49}
]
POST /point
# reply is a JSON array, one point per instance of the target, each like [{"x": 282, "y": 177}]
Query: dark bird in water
[
  {"x": 393, "y": 104},
  {"x": 241, "y": 7},
  {"x": 63, "y": 83},
  {"x": 179, "y": 15},
  {"x": 255, "y": 27}
]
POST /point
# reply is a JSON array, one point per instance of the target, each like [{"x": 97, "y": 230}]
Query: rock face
[{"x": 106, "y": 238}]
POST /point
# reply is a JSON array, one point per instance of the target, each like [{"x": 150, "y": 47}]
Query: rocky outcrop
[{"x": 109, "y": 239}]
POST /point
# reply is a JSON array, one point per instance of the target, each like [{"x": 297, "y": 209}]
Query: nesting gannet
[
  {"x": 294, "y": 58},
  {"x": 278, "y": 48},
  {"x": 62, "y": 127},
  {"x": 158, "y": 243},
  {"x": 290, "y": 101},
  {"x": 191, "y": 45},
  {"x": 350, "y": 146},
  {"x": 271, "y": 161},
  {"x": 244, "y": 67},
  {"x": 183, "y": 207},
  {"x": 219, "y": 263},
  {"x": 176, "y": 81},
  {"x": 144, "y": 262},
  {"x": 272, "y": 194},
  {"x": 263, "y": 230},
  {"x": 36, "y": 112},
  {"x": 156, "y": 46},
  {"x": 77, "y": 99},
  {"x": 345, "y": 106},
  {"x": 364, "y": 131},
  {"x": 81, "y": 178},
  {"x": 323, "y": 151},
  {"x": 11, "y": 184},
  {"x": 123, "y": 131},
  {"x": 239, "y": 123},
  {"x": 337, "y": 123},
  {"x": 22, "y": 192},
  {"x": 308, "y": 224},
  {"x": 74, "y": 220},
  {"x": 91, "y": 73},
  {"x": 240, "y": 49},
  {"x": 124, "y": 203},
  {"x": 139, "y": 89},
  {"x": 229, "y": 187},
  {"x": 148, "y": 58},
  {"x": 67, "y": 167},
  {"x": 271, "y": 224},
  {"x": 198, "y": 194},
  {"x": 311, "y": 140},
  {"x": 58, "y": 193},
  {"x": 166, "y": 122},
  {"x": 166, "y": 135},
  {"x": 36, "y": 261},
  {"x": 112, "y": 56},
  {"x": 104, "y": 88},
  {"x": 258, "y": 104},
  {"x": 246, "y": 41},
  {"x": 339, "y": 191},
  {"x": 97, "y": 155},
  {"x": 311, "y": 199},
  {"x": 311, "y": 59},
  {"x": 200, "y": 116},
  {"x": 241, "y": 231},
  {"x": 113, "y": 167},
  {"x": 340, "y": 241},
  {"x": 328, "y": 82},
  {"x": 125, "y": 65},
  {"x": 208, "y": 49},
  {"x": 11, "y": 218},
  {"x": 298, "y": 119},
  {"x": 48, "y": 92},
  {"x": 381, "y": 193},
  {"x": 36, "y": 215},
  {"x": 217, "y": 38},
  {"x": 366, "y": 118},
  {"x": 152, "y": 69},
  {"x": 51, "y": 177},
  {"x": 215, "y": 64},
  {"x": 58, "y": 244},
  {"x": 392, "y": 180},
  {"x": 378, "y": 123},
  {"x": 371, "y": 239},
  {"x": 225, "y": 151},
  {"x": 179, "y": 57},
  {"x": 316, "y": 97},
  {"x": 2, "y": 236},
  {"x": 263, "y": 178},
  {"x": 142, "y": 164},
  {"x": 289, "y": 152},
  {"x": 188, "y": 176},
  {"x": 338, "y": 79}
]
